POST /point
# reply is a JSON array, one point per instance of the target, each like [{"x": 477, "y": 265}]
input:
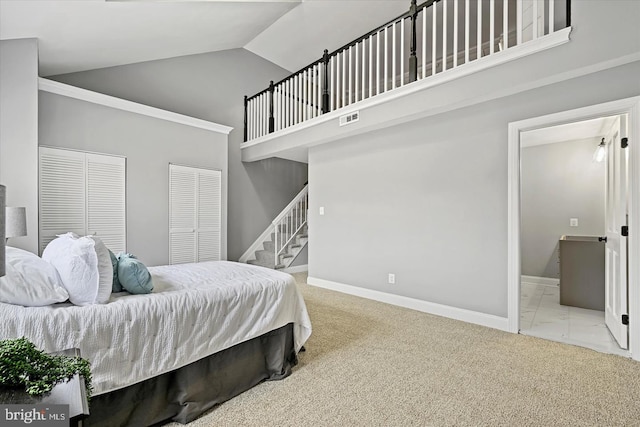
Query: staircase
[{"x": 282, "y": 241}]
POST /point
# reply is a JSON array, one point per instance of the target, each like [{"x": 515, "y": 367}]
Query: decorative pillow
[
  {"x": 133, "y": 274},
  {"x": 84, "y": 266},
  {"x": 30, "y": 280},
  {"x": 115, "y": 286}
]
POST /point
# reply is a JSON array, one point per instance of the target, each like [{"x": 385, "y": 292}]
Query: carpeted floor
[{"x": 373, "y": 364}]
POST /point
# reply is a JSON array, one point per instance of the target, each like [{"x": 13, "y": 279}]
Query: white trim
[
  {"x": 507, "y": 55},
  {"x": 469, "y": 316},
  {"x": 257, "y": 245},
  {"x": 296, "y": 269},
  {"x": 537, "y": 280},
  {"x": 630, "y": 106},
  {"x": 58, "y": 88}
]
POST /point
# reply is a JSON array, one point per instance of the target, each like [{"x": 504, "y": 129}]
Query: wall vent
[{"x": 350, "y": 118}]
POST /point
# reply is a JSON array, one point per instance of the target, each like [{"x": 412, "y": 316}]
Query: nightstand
[{"x": 70, "y": 393}]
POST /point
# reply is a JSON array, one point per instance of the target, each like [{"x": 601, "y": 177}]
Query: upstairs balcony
[{"x": 432, "y": 43}]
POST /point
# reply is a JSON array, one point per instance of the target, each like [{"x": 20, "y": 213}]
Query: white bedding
[{"x": 194, "y": 311}]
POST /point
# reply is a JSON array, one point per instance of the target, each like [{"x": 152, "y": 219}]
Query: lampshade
[
  {"x": 2, "y": 241},
  {"x": 16, "y": 222}
]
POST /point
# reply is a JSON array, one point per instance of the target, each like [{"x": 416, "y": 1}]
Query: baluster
[
  {"x": 492, "y": 26},
  {"x": 305, "y": 99},
  {"x": 350, "y": 89},
  {"x": 534, "y": 25},
  {"x": 466, "y": 31},
  {"x": 333, "y": 82},
  {"x": 378, "y": 63},
  {"x": 371, "y": 66},
  {"x": 364, "y": 73},
  {"x": 393, "y": 57},
  {"x": 287, "y": 103},
  {"x": 444, "y": 35},
  {"x": 434, "y": 43},
  {"x": 519, "y": 22},
  {"x": 401, "y": 48},
  {"x": 413, "y": 59},
  {"x": 505, "y": 24},
  {"x": 386, "y": 59},
  {"x": 344, "y": 79},
  {"x": 552, "y": 18},
  {"x": 479, "y": 36},
  {"x": 357, "y": 73},
  {"x": 455, "y": 33},
  {"x": 424, "y": 42}
]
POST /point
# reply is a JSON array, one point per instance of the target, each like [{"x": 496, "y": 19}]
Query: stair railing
[
  {"x": 441, "y": 35},
  {"x": 290, "y": 221}
]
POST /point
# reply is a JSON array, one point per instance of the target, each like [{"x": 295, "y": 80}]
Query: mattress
[{"x": 194, "y": 311}]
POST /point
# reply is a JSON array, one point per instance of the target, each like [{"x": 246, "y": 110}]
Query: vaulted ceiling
[{"x": 87, "y": 34}]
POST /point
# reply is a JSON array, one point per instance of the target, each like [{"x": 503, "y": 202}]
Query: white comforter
[{"x": 195, "y": 310}]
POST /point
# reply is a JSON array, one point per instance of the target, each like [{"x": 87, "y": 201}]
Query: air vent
[{"x": 350, "y": 118}]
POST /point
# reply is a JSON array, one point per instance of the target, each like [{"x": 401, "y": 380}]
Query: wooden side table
[{"x": 72, "y": 393}]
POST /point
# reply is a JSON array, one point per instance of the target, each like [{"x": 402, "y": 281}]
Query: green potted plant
[{"x": 22, "y": 365}]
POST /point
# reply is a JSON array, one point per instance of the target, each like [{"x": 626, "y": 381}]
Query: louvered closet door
[
  {"x": 106, "y": 213},
  {"x": 209, "y": 215},
  {"x": 195, "y": 207},
  {"x": 62, "y": 193},
  {"x": 182, "y": 215},
  {"x": 83, "y": 193}
]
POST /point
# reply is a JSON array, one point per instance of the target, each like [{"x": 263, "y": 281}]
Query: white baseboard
[
  {"x": 469, "y": 316},
  {"x": 296, "y": 268},
  {"x": 536, "y": 280}
]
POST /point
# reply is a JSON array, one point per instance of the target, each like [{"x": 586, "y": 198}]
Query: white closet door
[
  {"x": 82, "y": 193},
  {"x": 62, "y": 193},
  {"x": 209, "y": 215},
  {"x": 195, "y": 206},
  {"x": 106, "y": 184},
  {"x": 182, "y": 214}
]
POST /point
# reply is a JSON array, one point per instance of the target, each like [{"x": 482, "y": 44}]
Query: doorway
[
  {"x": 546, "y": 293},
  {"x": 562, "y": 207}
]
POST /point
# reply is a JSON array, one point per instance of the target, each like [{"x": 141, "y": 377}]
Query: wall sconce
[
  {"x": 15, "y": 222},
  {"x": 601, "y": 151}
]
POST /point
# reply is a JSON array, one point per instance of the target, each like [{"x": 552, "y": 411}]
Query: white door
[
  {"x": 195, "y": 212},
  {"x": 616, "y": 245}
]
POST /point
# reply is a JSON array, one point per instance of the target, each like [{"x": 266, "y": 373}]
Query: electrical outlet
[
  {"x": 392, "y": 278},
  {"x": 573, "y": 222}
]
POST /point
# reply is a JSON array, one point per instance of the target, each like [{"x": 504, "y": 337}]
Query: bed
[{"x": 206, "y": 333}]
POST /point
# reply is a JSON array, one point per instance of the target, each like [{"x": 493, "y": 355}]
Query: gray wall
[
  {"x": 149, "y": 144},
  {"x": 211, "y": 87},
  {"x": 558, "y": 182},
  {"x": 19, "y": 132},
  {"x": 427, "y": 200}
]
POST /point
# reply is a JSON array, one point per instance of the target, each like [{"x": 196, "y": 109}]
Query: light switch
[
  {"x": 573, "y": 222},
  {"x": 321, "y": 210}
]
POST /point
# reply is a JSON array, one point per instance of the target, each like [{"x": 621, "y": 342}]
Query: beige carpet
[{"x": 369, "y": 364}]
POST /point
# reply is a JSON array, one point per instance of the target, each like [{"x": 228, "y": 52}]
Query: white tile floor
[{"x": 541, "y": 315}]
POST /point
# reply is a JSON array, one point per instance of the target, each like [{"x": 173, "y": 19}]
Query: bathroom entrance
[{"x": 571, "y": 188}]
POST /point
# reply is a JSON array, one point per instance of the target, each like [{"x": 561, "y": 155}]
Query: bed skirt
[{"x": 184, "y": 394}]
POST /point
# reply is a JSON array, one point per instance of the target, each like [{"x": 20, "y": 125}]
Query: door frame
[{"x": 630, "y": 106}]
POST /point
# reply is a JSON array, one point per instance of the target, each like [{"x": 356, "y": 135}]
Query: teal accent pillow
[
  {"x": 115, "y": 286},
  {"x": 133, "y": 274}
]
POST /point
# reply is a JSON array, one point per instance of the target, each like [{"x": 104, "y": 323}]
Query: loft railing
[{"x": 428, "y": 39}]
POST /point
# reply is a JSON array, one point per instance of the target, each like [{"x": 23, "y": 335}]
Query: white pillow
[
  {"x": 84, "y": 266},
  {"x": 30, "y": 280}
]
